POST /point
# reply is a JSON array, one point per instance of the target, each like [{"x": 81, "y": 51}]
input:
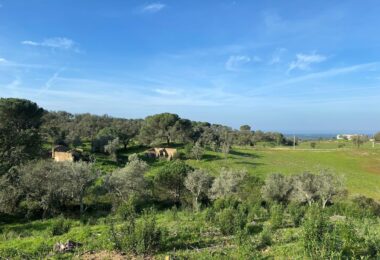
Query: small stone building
[
  {"x": 61, "y": 153},
  {"x": 167, "y": 153}
]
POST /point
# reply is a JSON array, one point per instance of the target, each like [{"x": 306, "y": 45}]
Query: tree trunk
[
  {"x": 196, "y": 206},
  {"x": 81, "y": 206}
]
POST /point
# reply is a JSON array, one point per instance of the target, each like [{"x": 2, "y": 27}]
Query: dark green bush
[
  {"x": 223, "y": 203},
  {"x": 351, "y": 209},
  {"x": 296, "y": 213},
  {"x": 60, "y": 226},
  {"x": 265, "y": 238},
  {"x": 127, "y": 209},
  {"x": 336, "y": 240},
  {"x": 232, "y": 220}
]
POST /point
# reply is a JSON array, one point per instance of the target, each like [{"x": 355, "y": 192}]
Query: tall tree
[
  {"x": 20, "y": 139},
  {"x": 377, "y": 137},
  {"x": 164, "y": 127},
  {"x": 169, "y": 181},
  {"x": 126, "y": 130}
]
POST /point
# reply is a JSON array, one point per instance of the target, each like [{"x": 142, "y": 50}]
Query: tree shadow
[
  {"x": 254, "y": 164},
  {"x": 244, "y": 154},
  {"x": 186, "y": 241},
  {"x": 211, "y": 157}
]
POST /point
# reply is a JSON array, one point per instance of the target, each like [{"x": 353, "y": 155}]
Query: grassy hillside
[{"x": 192, "y": 235}]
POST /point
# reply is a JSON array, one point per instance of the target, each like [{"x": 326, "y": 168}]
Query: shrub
[
  {"x": 315, "y": 227},
  {"x": 60, "y": 226},
  {"x": 127, "y": 210},
  {"x": 276, "y": 216},
  {"x": 227, "y": 202},
  {"x": 265, "y": 238},
  {"x": 296, "y": 213},
  {"x": 232, "y": 220},
  {"x": 325, "y": 240},
  {"x": 137, "y": 236}
]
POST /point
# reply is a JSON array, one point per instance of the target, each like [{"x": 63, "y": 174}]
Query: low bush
[
  {"x": 60, "y": 226},
  {"x": 264, "y": 238},
  {"x": 323, "y": 239},
  {"x": 296, "y": 213},
  {"x": 276, "y": 216},
  {"x": 232, "y": 220},
  {"x": 140, "y": 236}
]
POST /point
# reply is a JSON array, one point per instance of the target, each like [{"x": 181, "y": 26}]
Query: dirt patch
[
  {"x": 104, "y": 255},
  {"x": 372, "y": 168}
]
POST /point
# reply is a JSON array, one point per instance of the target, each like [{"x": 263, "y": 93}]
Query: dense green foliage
[{"x": 20, "y": 138}]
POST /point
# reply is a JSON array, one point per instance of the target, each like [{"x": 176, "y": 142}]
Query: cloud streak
[
  {"x": 153, "y": 8},
  {"x": 303, "y": 61},
  {"x": 319, "y": 75},
  {"x": 54, "y": 43},
  {"x": 235, "y": 62}
]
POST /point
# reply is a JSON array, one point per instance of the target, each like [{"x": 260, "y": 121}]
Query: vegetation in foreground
[{"x": 229, "y": 194}]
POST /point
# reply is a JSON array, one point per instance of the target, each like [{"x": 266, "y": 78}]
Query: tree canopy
[{"x": 20, "y": 138}]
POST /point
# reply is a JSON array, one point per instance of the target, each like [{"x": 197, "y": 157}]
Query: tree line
[{"x": 25, "y": 128}]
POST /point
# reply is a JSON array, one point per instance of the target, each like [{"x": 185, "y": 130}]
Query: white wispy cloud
[
  {"x": 50, "y": 81},
  {"x": 55, "y": 43},
  {"x": 318, "y": 75},
  {"x": 153, "y": 7},
  {"x": 303, "y": 61},
  {"x": 2, "y": 60},
  {"x": 235, "y": 62},
  {"x": 169, "y": 92}
]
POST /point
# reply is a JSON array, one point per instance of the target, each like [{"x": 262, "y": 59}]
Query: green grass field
[{"x": 359, "y": 167}]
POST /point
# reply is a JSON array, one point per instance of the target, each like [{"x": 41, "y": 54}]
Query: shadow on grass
[
  {"x": 254, "y": 164},
  {"x": 29, "y": 227},
  {"x": 185, "y": 241},
  {"x": 211, "y": 157},
  {"x": 244, "y": 154}
]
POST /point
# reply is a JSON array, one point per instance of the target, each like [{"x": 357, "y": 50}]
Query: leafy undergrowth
[{"x": 187, "y": 235}]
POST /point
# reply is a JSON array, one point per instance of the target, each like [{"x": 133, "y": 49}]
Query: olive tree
[
  {"x": 111, "y": 148},
  {"x": 198, "y": 183},
  {"x": 129, "y": 181},
  {"x": 80, "y": 177},
  {"x": 306, "y": 188},
  {"x": 277, "y": 187},
  {"x": 47, "y": 186},
  {"x": 330, "y": 185},
  {"x": 227, "y": 183},
  {"x": 197, "y": 151}
]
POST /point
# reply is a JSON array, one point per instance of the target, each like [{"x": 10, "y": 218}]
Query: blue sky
[{"x": 290, "y": 66}]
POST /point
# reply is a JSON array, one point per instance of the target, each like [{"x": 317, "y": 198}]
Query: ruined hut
[
  {"x": 61, "y": 153},
  {"x": 157, "y": 152}
]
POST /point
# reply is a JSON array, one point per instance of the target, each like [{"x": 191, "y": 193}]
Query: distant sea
[
  {"x": 318, "y": 136},
  {"x": 312, "y": 136}
]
